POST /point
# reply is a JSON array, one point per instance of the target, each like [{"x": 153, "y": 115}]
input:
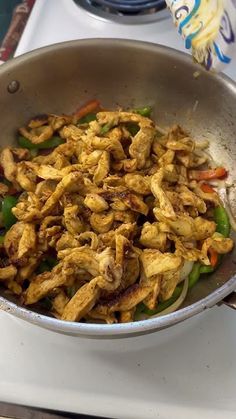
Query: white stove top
[
  {"x": 186, "y": 372},
  {"x": 63, "y": 20},
  {"x": 55, "y": 21}
]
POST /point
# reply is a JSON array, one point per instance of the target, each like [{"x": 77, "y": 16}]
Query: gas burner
[{"x": 124, "y": 11}]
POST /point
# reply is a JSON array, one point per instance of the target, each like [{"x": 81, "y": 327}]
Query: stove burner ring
[
  {"x": 124, "y": 11},
  {"x": 126, "y": 6}
]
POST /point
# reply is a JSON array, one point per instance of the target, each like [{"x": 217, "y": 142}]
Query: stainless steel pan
[{"x": 131, "y": 74}]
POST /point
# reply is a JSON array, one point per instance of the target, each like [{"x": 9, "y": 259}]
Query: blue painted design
[
  {"x": 209, "y": 61},
  {"x": 188, "y": 40},
  {"x": 223, "y": 58},
  {"x": 189, "y": 17},
  {"x": 226, "y": 29},
  {"x": 180, "y": 10}
]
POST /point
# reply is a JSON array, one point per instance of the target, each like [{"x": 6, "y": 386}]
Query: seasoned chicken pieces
[
  {"x": 155, "y": 263},
  {"x": 8, "y": 164},
  {"x": 141, "y": 146},
  {"x": 82, "y": 302},
  {"x": 7, "y": 273},
  {"x": 102, "y": 222},
  {"x": 138, "y": 183},
  {"x": 25, "y": 176},
  {"x": 44, "y": 284},
  {"x": 163, "y": 202},
  {"x": 20, "y": 241},
  {"x": 37, "y": 135},
  {"x": 152, "y": 237},
  {"x": 95, "y": 203},
  {"x": 102, "y": 169},
  {"x": 72, "y": 221},
  {"x": 70, "y": 182},
  {"x": 109, "y": 218}
]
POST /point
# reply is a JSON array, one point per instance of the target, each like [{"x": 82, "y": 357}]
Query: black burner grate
[
  {"x": 130, "y": 6},
  {"x": 126, "y": 11}
]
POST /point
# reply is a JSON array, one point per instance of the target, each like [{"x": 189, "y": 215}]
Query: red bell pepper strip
[
  {"x": 89, "y": 107},
  {"x": 217, "y": 173},
  {"x": 213, "y": 257},
  {"x": 205, "y": 187}
]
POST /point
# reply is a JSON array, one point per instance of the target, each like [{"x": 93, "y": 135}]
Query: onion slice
[
  {"x": 177, "y": 303},
  {"x": 186, "y": 269},
  {"x": 222, "y": 192}
]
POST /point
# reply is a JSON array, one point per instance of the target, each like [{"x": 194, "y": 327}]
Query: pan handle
[{"x": 230, "y": 300}]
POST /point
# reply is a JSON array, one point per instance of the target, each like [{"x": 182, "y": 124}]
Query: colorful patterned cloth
[{"x": 15, "y": 12}]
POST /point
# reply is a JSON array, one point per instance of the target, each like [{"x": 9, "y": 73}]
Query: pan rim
[
  {"x": 142, "y": 326},
  {"x": 119, "y": 329}
]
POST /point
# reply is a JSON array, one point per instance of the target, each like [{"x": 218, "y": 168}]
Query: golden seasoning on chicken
[{"x": 107, "y": 217}]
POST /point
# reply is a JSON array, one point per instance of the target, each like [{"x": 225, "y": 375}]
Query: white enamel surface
[
  {"x": 63, "y": 21},
  {"x": 54, "y": 21},
  {"x": 186, "y": 372}
]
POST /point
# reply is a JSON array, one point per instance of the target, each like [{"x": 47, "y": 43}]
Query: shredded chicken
[{"x": 108, "y": 218}]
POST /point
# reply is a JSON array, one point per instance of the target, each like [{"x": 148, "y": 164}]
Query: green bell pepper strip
[
  {"x": 193, "y": 278},
  {"x": 71, "y": 291},
  {"x": 209, "y": 269},
  {"x": 223, "y": 227},
  {"x": 206, "y": 269},
  {"x": 47, "y": 265},
  {"x": 43, "y": 267},
  {"x": 7, "y": 204},
  {"x": 2, "y": 239},
  {"x": 46, "y": 303},
  {"x": 159, "y": 134},
  {"x": 25, "y": 143},
  {"x": 50, "y": 143},
  {"x": 194, "y": 275},
  {"x": 145, "y": 111},
  {"x": 11, "y": 188},
  {"x": 139, "y": 309},
  {"x": 222, "y": 221},
  {"x": 7, "y": 182},
  {"x": 132, "y": 128},
  {"x": 33, "y": 152},
  {"x": 162, "y": 305},
  {"x": 87, "y": 118},
  {"x": 105, "y": 129},
  {"x": 52, "y": 262}
]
